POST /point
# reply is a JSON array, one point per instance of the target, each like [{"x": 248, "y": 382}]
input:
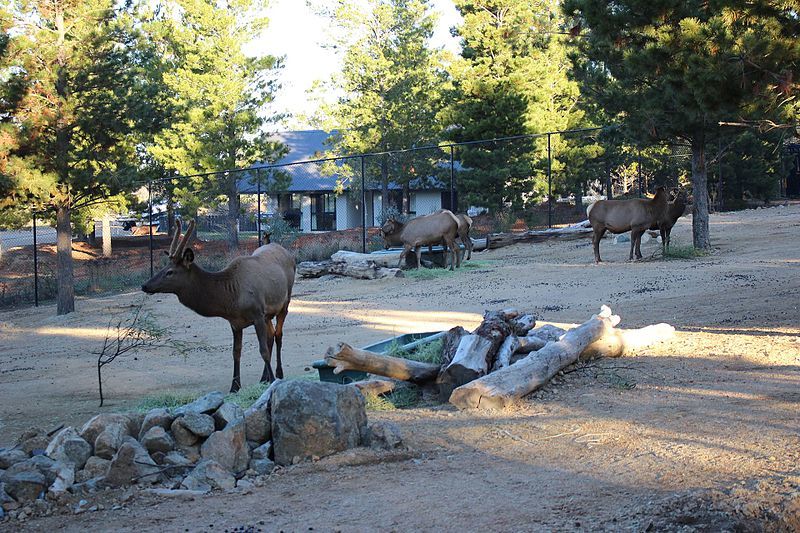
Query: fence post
[
  {"x": 363, "y": 208},
  {"x": 150, "y": 220},
  {"x": 549, "y": 184},
  {"x": 258, "y": 203},
  {"x": 639, "y": 169},
  {"x": 453, "y": 207},
  {"x": 35, "y": 265}
]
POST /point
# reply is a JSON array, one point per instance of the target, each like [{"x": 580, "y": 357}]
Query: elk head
[
  {"x": 389, "y": 229},
  {"x": 175, "y": 276}
]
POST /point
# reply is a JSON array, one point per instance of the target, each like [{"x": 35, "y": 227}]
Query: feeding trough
[{"x": 407, "y": 343}]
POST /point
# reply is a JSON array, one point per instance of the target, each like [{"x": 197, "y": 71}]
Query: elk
[
  {"x": 433, "y": 229},
  {"x": 250, "y": 291},
  {"x": 675, "y": 209},
  {"x": 618, "y": 216},
  {"x": 464, "y": 227}
]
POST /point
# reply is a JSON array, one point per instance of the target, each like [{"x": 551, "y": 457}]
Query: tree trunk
[
  {"x": 700, "y": 233},
  {"x": 64, "y": 275},
  {"x": 345, "y": 357},
  {"x": 233, "y": 216}
]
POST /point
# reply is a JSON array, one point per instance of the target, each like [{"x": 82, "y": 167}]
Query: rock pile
[{"x": 205, "y": 445}]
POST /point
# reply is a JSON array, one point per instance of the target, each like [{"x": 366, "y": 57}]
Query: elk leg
[
  {"x": 265, "y": 336},
  {"x": 457, "y": 251},
  {"x": 418, "y": 253},
  {"x": 596, "y": 243},
  {"x": 236, "y": 384},
  {"x": 279, "y": 340},
  {"x": 636, "y": 241},
  {"x": 468, "y": 246},
  {"x": 406, "y": 249},
  {"x": 663, "y": 239}
]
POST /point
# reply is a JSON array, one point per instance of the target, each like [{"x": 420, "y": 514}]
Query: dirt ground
[{"x": 699, "y": 433}]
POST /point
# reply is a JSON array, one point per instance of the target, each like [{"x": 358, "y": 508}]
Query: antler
[
  {"x": 175, "y": 237},
  {"x": 182, "y": 244}
]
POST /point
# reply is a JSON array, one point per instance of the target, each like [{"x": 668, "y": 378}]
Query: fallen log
[
  {"x": 383, "y": 259},
  {"x": 619, "y": 342},
  {"x": 509, "y": 347},
  {"x": 353, "y": 269},
  {"x": 499, "y": 389},
  {"x": 476, "y": 353},
  {"x": 346, "y": 357},
  {"x": 376, "y": 386},
  {"x": 530, "y": 343},
  {"x": 523, "y": 324},
  {"x": 450, "y": 343}
]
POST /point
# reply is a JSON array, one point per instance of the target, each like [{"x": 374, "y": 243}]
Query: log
[
  {"x": 376, "y": 386},
  {"x": 384, "y": 259},
  {"x": 509, "y": 347},
  {"x": 548, "y": 332},
  {"x": 345, "y": 357},
  {"x": 313, "y": 269},
  {"x": 501, "y": 388},
  {"x": 476, "y": 353},
  {"x": 530, "y": 343},
  {"x": 450, "y": 344},
  {"x": 523, "y": 324},
  {"x": 619, "y": 342},
  {"x": 353, "y": 269}
]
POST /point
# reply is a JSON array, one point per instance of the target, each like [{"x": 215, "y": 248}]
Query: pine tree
[
  {"x": 674, "y": 70},
  {"x": 219, "y": 94},
  {"x": 390, "y": 83},
  {"x": 80, "y": 73}
]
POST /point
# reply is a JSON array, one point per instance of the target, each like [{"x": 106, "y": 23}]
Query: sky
[{"x": 295, "y": 32}]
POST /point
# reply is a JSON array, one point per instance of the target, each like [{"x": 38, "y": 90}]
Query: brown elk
[
  {"x": 464, "y": 227},
  {"x": 250, "y": 291},
  {"x": 428, "y": 230},
  {"x": 675, "y": 209},
  {"x": 618, "y": 216}
]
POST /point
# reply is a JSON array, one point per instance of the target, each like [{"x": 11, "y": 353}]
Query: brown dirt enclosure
[{"x": 700, "y": 433}]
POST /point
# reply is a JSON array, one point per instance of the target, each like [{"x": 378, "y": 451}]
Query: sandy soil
[{"x": 700, "y": 433}]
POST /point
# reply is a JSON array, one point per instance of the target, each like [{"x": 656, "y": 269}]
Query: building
[{"x": 305, "y": 194}]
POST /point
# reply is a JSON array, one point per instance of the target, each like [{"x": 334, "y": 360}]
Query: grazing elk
[
  {"x": 427, "y": 230},
  {"x": 618, "y": 216},
  {"x": 675, "y": 210},
  {"x": 464, "y": 227},
  {"x": 250, "y": 291}
]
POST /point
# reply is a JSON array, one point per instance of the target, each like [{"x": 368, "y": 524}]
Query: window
[{"x": 323, "y": 212}]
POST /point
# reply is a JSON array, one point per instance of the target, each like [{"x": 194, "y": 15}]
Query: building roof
[{"x": 310, "y": 177}]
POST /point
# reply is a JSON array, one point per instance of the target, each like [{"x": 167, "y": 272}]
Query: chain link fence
[{"x": 315, "y": 207}]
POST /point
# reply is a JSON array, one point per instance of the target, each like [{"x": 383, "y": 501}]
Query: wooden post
[{"x": 106, "y": 236}]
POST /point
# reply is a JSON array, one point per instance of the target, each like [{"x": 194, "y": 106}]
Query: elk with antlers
[{"x": 250, "y": 291}]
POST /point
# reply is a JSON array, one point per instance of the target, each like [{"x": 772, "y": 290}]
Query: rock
[
  {"x": 192, "y": 453},
  {"x": 159, "y": 417},
  {"x": 25, "y": 486},
  {"x": 177, "y": 493},
  {"x": 622, "y": 238},
  {"x": 227, "y": 414},
  {"x": 204, "y": 405},
  {"x": 177, "y": 459},
  {"x": 131, "y": 464},
  {"x": 385, "y": 435},
  {"x": 33, "y": 440},
  {"x": 209, "y": 475},
  {"x": 40, "y": 463},
  {"x": 157, "y": 440},
  {"x": 69, "y": 447},
  {"x": 109, "y": 440},
  {"x": 548, "y": 332},
  {"x": 65, "y": 477},
  {"x": 262, "y": 467},
  {"x": 11, "y": 457},
  {"x": 4, "y": 497},
  {"x": 197, "y": 424},
  {"x": 89, "y": 486},
  {"x": 257, "y": 417},
  {"x": 262, "y": 452},
  {"x": 315, "y": 418},
  {"x": 95, "y": 467},
  {"x": 182, "y": 436},
  {"x": 228, "y": 448},
  {"x": 97, "y": 424}
]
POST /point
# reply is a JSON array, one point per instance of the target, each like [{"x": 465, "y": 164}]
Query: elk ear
[{"x": 188, "y": 256}]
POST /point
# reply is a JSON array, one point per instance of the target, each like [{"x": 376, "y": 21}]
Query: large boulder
[
  {"x": 209, "y": 475},
  {"x": 204, "y": 405},
  {"x": 95, "y": 467},
  {"x": 159, "y": 417},
  {"x": 38, "y": 463},
  {"x": 97, "y": 424},
  {"x": 228, "y": 448},
  {"x": 157, "y": 440},
  {"x": 132, "y": 464},
  {"x": 197, "y": 424},
  {"x": 69, "y": 447},
  {"x": 227, "y": 413},
  {"x": 257, "y": 420},
  {"x": 315, "y": 419},
  {"x": 109, "y": 440},
  {"x": 12, "y": 456},
  {"x": 24, "y": 486}
]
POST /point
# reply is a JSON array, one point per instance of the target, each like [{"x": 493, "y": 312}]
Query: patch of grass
[
  {"x": 435, "y": 273},
  {"x": 684, "y": 252},
  {"x": 428, "y": 353},
  {"x": 402, "y": 398},
  {"x": 170, "y": 400},
  {"x": 247, "y": 395}
]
